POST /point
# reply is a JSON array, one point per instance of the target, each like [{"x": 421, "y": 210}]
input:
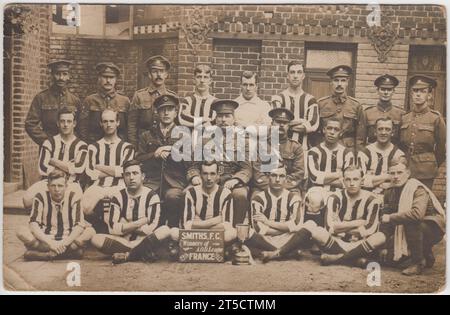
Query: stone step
[
  {"x": 13, "y": 204},
  {"x": 10, "y": 187}
]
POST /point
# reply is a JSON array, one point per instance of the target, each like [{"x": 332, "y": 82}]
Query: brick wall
[
  {"x": 86, "y": 53},
  {"x": 230, "y": 59},
  {"x": 29, "y": 57},
  {"x": 275, "y": 57},
  {"x": 368, "y": 68}
]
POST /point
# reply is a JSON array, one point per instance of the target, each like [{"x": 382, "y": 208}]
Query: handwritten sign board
[{"x": 201, "y": 246}]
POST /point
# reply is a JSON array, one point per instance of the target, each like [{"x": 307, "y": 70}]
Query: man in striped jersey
[
  {"x": 56, "y": 229},
  {"x": 374, "y": 159},
  {"x": 106, "y": 158},
  {"x": 351, "y": 225},
  {"x": 208, "y": 206},
  {"x": 303, "y": 105},
  {"x": 274, "y": 213},
  {"x": 133, "y": 220},
  {"x": 252, "y": 110},
  {"x": 199, "y": 103},
  {"x": 64, "y": 152},
  {"x": 327, "y": 160}
]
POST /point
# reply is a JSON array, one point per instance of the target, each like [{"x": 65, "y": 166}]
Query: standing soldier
[
  {"x": 384, "y": 109},
  {"x": 342, "y": 106},
  {"x": 142, "y": 113},
  {"x": 302, "y": 105},
  {"x": 199, "y": 103},
  {"x": 422, "y": 132},
  {"x": 106, "y": 98},
  {"x": 42, "y": 118}
]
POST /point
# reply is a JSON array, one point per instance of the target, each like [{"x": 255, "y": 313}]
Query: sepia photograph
[{"x": 201, "y": 147}]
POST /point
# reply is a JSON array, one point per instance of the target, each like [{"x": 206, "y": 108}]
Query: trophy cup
[{"x": 242, "y": 256}]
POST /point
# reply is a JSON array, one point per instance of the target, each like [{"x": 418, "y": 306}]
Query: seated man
[
  {"x": 351, "y": 225},
  {"x": 208, "y": 206},
  {"x": 375, "y": 157},
  {"x": 412, "y": 220},
  {"x": 327, "y": 160},
  {"x": 56, "y": 229},
  {"x": 133, "y": 220},
  {"x": 290, "y": 151},
  {"x": 64, "y": 152},
  {"x": 274, "y": 213},
  {"x": 106, "y": 158},
  {"x": 163, "y": 173}
]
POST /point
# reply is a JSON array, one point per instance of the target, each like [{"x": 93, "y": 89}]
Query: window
[
  {"x": 320, "y": 58},
  {"x": 112, "y": 21}
]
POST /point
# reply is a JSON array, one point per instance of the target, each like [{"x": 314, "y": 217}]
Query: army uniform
[
  {"x": 40, "y": 123},
  {"x": 142, "y": 114},
  {"x": 233, "y": 168},
  {"x": 169, "y": 178},
  {"x": 423, "y": 137},
  {"x": 343, "y": 107},
  {"x": 93, "y": 106},
  {"x": 382, "y": 110},
  {"x": 290, "y": 151}
]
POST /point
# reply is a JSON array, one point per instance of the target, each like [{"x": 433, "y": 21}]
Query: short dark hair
[
  {"x": 248, "y": 75},
  {"x": 209, "y": 163},
  {"x": 352, "y": 168},
  {"x": 384, "y": 119},
  {"x": 56, "y": 174},
  {"x": 130, "y": 163},
  {"x": 294, "y": 63},
  {"x": 66, "y": 110},
  {"x": 397, "y": 161},
  {"x": 333, "y": 119},
  {"x": 202, "y": 68}
]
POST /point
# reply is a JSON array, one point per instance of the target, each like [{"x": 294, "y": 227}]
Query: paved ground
[{"x": 97, "y": 273}]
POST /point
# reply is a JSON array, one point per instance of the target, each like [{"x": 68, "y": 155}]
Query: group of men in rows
[{"x": 353, "y": 181}]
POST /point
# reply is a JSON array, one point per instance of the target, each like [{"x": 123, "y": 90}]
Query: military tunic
[
  {"x": 348, "y": 110},
  {"x": 169, "y": 173},
  {"x": 422, "y": 138},
  {"x": 370, "y": 116},
  {"x": 142, "y": 115},
  {"x": 292, "y": 155},
  {"x": 93, "y": 106},
  {"x": 42, "y": 117}
]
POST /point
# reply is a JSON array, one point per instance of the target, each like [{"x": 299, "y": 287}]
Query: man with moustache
[
  {"x": 342, "y": 106},
  {"x": 199, "y": 103},
  {"x": 252, "y": 111},
  {"x": 423, "y": 132},
  {"x": 302, "y": 105},
  {"x": 42, "y": 117},
  {"x": 106, "y": 98},
  {"x": 384, "y": 109},
  {"x": 142, "y": 114}
]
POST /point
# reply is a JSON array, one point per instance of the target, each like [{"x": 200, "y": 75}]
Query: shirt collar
[
  {"x": 58, "y": 91},
  {"x": 424, "y": 110},
  {"x": 241, "y": 99},
  {"x": 339, "y": 99},
  {"x": 161, "y": 90},
  {"x": 384, "y": 106},
  {"x": 110, "y": 94},
  {"x": 216, "y": 188}
]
